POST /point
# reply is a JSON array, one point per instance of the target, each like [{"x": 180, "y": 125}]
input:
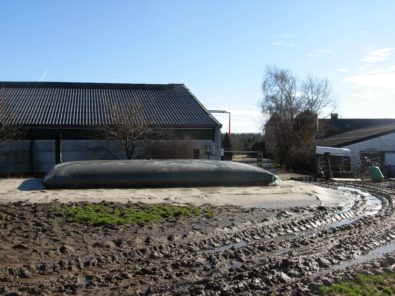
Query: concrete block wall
[
  {"x": 99, "y": 149},
  {"x": 379, "y": 144},
  {"x": 43, "y": 155},
  {"x": 15, "y": 158},
  {"x": 73, "y": 150}
]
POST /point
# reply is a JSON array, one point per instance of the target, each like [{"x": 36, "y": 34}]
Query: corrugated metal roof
[
  {"x": 67, "y": 104},
  {"x": 355, "y": 136},
  {"x": 333, "y": 126}
]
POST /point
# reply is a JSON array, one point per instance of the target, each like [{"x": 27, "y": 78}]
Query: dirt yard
[{"x": 236, "y": 250}]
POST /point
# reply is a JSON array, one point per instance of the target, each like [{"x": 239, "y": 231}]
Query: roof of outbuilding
[
  {"x": 333, "y": 126},
  {"x": 358, "y": 135},
  {"x": 69, "y": 104}
]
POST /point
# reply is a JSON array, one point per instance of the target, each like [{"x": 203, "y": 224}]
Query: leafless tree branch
[
  {"x": 126, "y": 125},
  {"x": 316, "y": 94},
  {"x": 285, "y": 99},
  {"x": 9, "y": 130}
]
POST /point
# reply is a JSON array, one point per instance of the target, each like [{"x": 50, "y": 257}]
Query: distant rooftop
[
  {"x": 336, "y": 125},
  {"x": 357, "y": 135}
]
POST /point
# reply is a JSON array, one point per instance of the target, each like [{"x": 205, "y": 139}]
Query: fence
[{"x": 249, "y": 157}]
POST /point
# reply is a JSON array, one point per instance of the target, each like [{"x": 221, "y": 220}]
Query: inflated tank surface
[{"x": 155, "y": 173}]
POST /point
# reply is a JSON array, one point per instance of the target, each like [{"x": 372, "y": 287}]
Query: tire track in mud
[
  {"x": 316, "y": 250},
  {"x": 256, "y": 252}
]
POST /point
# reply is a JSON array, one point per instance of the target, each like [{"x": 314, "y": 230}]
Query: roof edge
[
  {"x": 93, "y": 85},
  {"x": 201, "y": 105},
  {"x": 357, "y": 118}
]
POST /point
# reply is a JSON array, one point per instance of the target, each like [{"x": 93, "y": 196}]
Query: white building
[{"x": 376, "y": 142}]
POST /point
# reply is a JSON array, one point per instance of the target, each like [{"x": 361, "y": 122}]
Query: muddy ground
[{"x": 237, "y": 252}]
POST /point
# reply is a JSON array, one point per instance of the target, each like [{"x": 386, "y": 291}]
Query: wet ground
[{"x": 239, "y": 251}]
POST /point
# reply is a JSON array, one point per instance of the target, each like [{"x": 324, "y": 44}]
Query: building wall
[
  {"x": 73, "y": 150},
  {"x": 384, "y": 143},
  {"x": 43, "y": 156},
  {"x": 96, "y": 149},
  {"x": 15, "y": 158}
]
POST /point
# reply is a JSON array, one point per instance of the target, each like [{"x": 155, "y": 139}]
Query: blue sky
[{"x": 219, "y": 49}]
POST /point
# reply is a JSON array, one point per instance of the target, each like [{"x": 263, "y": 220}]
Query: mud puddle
[
  {"x": 372, "y": 204},
  {"x": 374, "y": 254},
  {"x": 341, "y": 223},
  {"x": 234, "y": 246}
]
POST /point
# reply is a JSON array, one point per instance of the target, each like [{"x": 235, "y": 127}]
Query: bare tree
[
  {"x": 291, "y": 105},
  {"x": 126, "y": 126},
  {"x": 280, "y": 93},
  {"x": 8, "y": 129},
  {"x": 316, "y": 94},
  {"x": 169, "y": 149},
  {"x": 285, "y": 96},
  {"x": 8, "y": 133}
]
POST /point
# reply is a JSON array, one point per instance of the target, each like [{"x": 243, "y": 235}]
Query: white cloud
[
  {"x": 372, "y": 93},
  {"x": 242, "y": 120},
  {"x": 245, "y": 112},
  {"x": 389, "y": 69},
  {"x": 283, "y": 40},
  {"x": 363, "y": 32},
  {"x": 375, "y": 84},
  {"x": 277, "y": 43},
  {"x": 320, "y": 53},
  {"x": 378, "y": 55},
  {"x": 343, "y": 70}
]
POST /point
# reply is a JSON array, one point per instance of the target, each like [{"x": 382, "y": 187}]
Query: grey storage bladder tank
[{"x": 155, "y": 173}]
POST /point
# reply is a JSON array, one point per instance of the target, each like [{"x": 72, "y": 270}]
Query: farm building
[
  {"x": 63, "y": 121},
  {"x": 371, "y": 138}
]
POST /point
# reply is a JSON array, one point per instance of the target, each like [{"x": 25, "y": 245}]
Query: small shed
[{"x": 337, "y": 158}]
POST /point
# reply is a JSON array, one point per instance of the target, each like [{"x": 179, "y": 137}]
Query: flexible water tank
[{"x": 155, "y": 173}]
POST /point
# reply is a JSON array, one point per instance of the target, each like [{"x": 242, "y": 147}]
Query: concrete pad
[{"x": 285, "y": 195}]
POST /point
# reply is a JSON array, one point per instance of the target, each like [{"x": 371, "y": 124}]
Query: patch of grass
[
  {"x": 363, "y": 285},
  {"x": 98, "y": 214}
]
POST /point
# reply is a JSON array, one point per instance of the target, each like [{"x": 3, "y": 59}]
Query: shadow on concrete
[{"x": 31, "y": 184}]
